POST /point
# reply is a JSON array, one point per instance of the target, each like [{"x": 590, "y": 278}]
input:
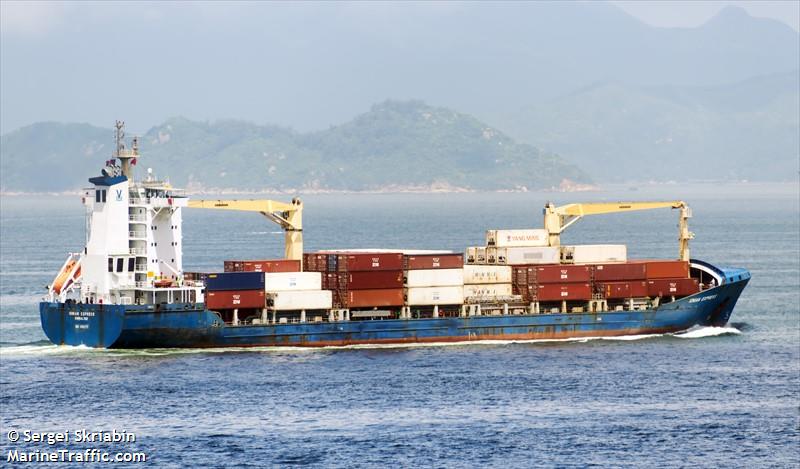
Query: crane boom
[
  {"x": 557, "y": 219},
  {"x": 288, "y": 215}
]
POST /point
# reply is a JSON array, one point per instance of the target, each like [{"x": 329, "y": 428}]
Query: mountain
[
  {"x": 311, "y": 64},
  {"x": 396, "y": 144},
  {"x": 618, "y": 132}
]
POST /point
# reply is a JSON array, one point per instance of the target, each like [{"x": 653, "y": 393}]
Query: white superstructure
[{"x": 133, "y": 252}]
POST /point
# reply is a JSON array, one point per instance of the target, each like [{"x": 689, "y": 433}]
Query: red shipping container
[
  {"x": 563, "y": 273},
  {"x": 366, "y": 280},
  {"x": 374, "y": 298},
  {"x": 567, "y": 291},
  {"x": 313, "y": 262},
  {"x": 636, "y": 289},
  {"x": 434, "y": 261},
  {"x": 620, "y": 272},
  {"x": 672, "y": 287},
  {"x": 523, "y": 274},
  {"x": 667, "y": 269},
  {"x": 330, "y": 280},
  {"x": 231, "y": 299},
  {"x": 364, "y": 261},
  {"x": 279, "y": 265}
]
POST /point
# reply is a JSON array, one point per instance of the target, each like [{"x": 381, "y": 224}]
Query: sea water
[{"x": 706, "y": 397}]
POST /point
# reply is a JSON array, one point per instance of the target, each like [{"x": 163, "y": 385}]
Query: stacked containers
[
  {"x": 235, "y": 290},
  {"x": 296, "y": 291},
  {"x": 637, "y": 279},
  {"x": 563, "y": 283},
  {"x": 487, "y": 282},
  {"x": 669, "y": 278},
  {"x": 360, "y": 279},
  {"x": 434, "y": 279}
]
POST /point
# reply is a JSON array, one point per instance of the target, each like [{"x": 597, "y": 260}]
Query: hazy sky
[
  {"x": 694, "y": 13},
  {"x": 311, "y": 65}
]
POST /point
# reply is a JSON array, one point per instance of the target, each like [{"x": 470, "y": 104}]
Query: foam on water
[{"x": 701, "y": 332}]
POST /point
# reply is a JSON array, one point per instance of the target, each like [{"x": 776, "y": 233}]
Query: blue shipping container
[{"x": 235, "y": 281}]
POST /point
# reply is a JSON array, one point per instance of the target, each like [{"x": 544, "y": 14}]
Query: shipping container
[
  {"x": 563, "y": 273},
  {"x": 367, "y": 280},
  {"x": 631, "y": 289},
  {"x": 527, "y": 292},
  {"x": 429, "y": 296},
  {"x": 373, "y": 298},
  {"x": 523, "y": 274},
  {"x": 666, "y": 269},
  {"x": 365, "y": 261},
  {"x": 299, "y": 300},
  {"x": 470, "y": 257},
  {"x": 594, "y": 253},
  {"x": 434, "y": 278},
  {"x": 516, "y": 238},
  {"x": 235, "y": 281},
  {"x": 480, "y": 255},
  {"x": 620, "y": 272},
  {"x": 528, "y": 255},
  {"x": 235, "y": 299},
  {"x": 488, "y": 290},
  {"x": 315, "y": 262},
  {"x": 567, "y": 291},
  {"x": 476, "y": 274},
  {"x": 283, "y": 281},
  {"x": 434, "y": 261},
  {"x": 491, "y": 255},
  {"x": 672, "y": 287},
  {"x": 273, "y": 265}
]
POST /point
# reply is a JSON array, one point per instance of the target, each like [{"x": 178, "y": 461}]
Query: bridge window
[
  {"x": 120, "y": 263},
  {"x": 131, "y": 261},
  {"x": 110, "y": 264}
]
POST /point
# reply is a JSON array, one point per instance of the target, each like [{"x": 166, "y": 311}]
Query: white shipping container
[
  {"x": 516, "y": 238},
  {"x": 434, "y": 278},
  {"x": 529, "y": 255},
  {"x": 286, "y": 281},
  {"x": 478, "y": 274},
  {"x": 596, "y": 253},
  {"x": 423, "y": 296},
  {"x": 300, "y": 300},
  {"x": 491, "y": 256},
  {"x": 487, "y": 289},
  {"x": 469, "y": 257},
  {"x": 480, "y": 255}
]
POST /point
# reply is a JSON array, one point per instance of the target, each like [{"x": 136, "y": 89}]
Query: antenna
[{"x": 119, "y": 137}]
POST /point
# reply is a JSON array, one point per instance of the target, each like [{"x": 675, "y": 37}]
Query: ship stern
[{"x": 91, "y": 325}]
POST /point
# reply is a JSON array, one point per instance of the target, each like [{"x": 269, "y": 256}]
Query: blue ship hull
[{"x": 185, "y": 325}]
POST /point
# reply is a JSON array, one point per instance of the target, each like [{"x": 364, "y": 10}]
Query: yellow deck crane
[
  {"x": 288, "y": 215},
  {"x": 557, "y": 219}
]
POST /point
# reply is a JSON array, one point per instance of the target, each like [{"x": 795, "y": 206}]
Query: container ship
[{"x": 127, "y": 288}]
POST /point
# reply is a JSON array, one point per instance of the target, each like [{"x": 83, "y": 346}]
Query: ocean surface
[{"x": 711, "y": 397}]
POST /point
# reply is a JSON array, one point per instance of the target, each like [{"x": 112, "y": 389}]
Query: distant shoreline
[{"x": 770, "y": 187}]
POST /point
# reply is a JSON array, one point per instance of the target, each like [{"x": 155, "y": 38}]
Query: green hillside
[{"x": 394, "y": 145}]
